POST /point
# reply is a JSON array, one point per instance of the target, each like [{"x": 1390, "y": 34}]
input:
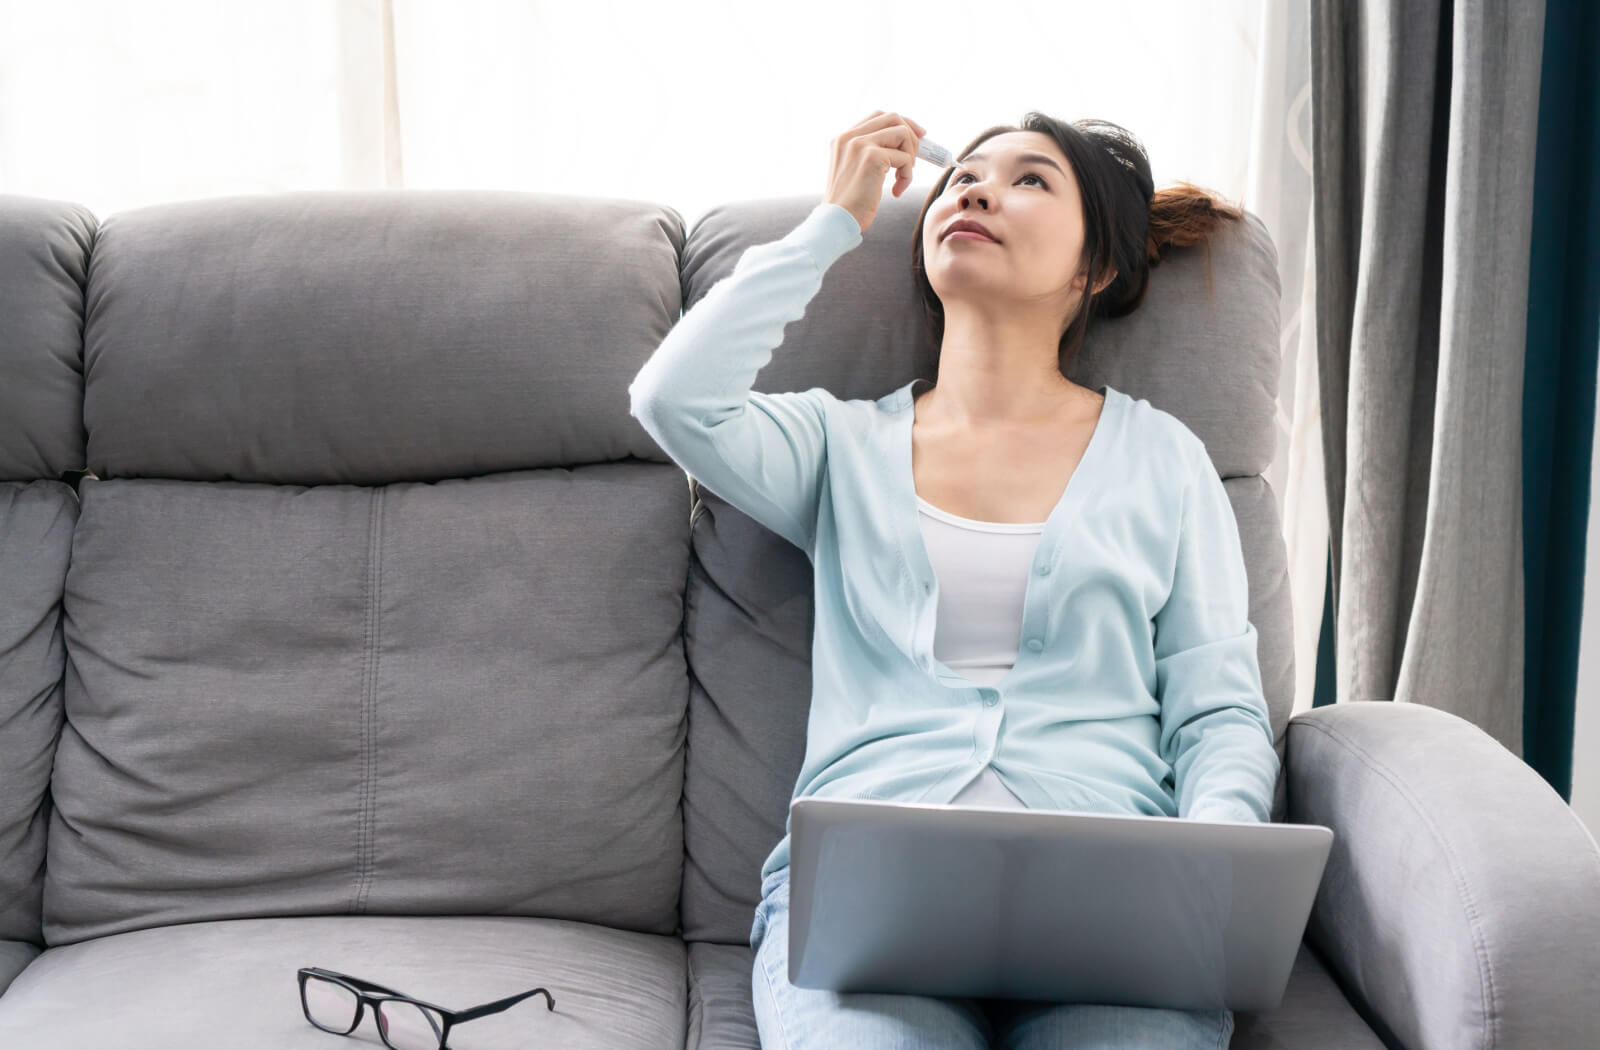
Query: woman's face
[{"x": 1020, "y": 186}]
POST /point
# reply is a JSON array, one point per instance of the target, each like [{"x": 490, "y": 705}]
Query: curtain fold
[
  {"x": 1423, "y": 158},
  {"x": 1559, "y": 389}
]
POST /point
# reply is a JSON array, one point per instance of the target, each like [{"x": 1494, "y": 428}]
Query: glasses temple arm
[{"x": 503, "y": 1004}]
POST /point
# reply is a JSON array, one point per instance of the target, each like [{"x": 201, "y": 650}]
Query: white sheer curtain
[
  {"x": 117, "y": 105},
  {"x": 1279, "y": 191}
]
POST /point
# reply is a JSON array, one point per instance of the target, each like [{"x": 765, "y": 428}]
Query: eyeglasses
[{"x": 334, "y": 1003}]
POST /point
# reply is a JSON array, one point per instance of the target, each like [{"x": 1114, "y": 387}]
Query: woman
[{"x": 1125, "y": 682}]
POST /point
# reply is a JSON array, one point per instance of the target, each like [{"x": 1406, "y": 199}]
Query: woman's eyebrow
[{"x": 1038, "y": 157}]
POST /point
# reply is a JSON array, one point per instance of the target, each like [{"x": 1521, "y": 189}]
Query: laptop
[{"x": 992, "y": 902}]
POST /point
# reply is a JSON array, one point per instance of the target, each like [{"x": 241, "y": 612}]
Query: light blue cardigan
[{"x": 1136, "y": 687}]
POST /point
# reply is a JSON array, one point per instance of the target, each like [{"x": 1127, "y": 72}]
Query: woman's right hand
[{"x": 861, "y": 158}]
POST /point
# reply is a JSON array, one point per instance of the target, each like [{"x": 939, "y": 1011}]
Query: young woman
[{"x": 1028, "y": 592}]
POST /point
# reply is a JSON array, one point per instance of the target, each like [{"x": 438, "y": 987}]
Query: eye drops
[{"x": 933, "y": 153}]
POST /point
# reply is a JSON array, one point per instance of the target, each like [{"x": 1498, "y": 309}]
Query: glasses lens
[
  {"x": 407, "y": 1026},
  {"x": 330, "y": 1005}
]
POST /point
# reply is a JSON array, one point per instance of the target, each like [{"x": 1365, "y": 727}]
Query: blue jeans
[{"x": 792, "y": 1018}]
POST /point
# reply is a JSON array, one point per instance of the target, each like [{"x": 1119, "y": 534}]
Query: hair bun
[{"x": 1184, "y": 214}]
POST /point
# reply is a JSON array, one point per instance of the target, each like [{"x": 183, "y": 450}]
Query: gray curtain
[{"x": 1424, "y": 117}]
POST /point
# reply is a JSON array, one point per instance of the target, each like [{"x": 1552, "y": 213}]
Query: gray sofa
[{"x": 350, "y": 619}]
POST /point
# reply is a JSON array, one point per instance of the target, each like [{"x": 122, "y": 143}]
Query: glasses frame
[{"x": 364, "y": 998}]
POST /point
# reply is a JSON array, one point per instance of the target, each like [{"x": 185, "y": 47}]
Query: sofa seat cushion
[
  {"x": 231, "y": 985},
  {"x": 1315, "y": 1015},
  {"x": 721, "y": 1014}
]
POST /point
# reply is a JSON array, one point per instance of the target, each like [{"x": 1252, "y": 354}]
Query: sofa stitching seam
[{"x": 366, "y": 821}]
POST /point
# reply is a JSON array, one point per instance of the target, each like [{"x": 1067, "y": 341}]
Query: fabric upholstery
[
  {"x": 721, "y": 1016},
  {"x": 36, "y": 523},
  {"x": 363, "y": 338},
  {"x": 456, "y": 697},
  {"x": 232, "y": 986},
  {"x": 45, "y": 248}
]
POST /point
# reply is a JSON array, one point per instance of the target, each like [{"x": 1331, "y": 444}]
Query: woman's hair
[{"x": 1127, "y": 223}]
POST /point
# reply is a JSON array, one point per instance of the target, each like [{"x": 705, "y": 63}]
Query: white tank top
[{"x": 983, "y": 569}]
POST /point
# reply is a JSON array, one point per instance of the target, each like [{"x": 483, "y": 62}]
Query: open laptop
[{"x": 960, "y": 900}]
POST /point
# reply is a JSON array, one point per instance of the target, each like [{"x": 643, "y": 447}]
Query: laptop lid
[{"x": 956, "y": 900}]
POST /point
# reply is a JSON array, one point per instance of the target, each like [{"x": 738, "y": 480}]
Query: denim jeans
[{"x": 791, "y": 1018}]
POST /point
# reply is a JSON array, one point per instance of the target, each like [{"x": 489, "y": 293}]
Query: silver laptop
[{"x": 961, "y": 900}]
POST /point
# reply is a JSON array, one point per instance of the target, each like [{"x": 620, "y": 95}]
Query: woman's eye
[{"x": 1029, "y": 175}]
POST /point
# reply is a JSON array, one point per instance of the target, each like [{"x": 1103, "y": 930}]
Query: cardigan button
[
  {"x": 1035, "y": 644},
  {"x": 1044, "y": 570}
]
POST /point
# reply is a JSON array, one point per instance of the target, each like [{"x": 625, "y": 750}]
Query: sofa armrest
[
  {"x": 1460, "y": 907},
  {"x": 14, "y": 956}
]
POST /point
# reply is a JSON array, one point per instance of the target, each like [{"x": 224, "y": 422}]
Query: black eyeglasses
[{"x": 334, "y": 1002}]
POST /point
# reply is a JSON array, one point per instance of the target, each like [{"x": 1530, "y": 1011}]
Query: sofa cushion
[
  {"x": 36, "y": 522},
  {"x": 365, "y": 337},
  {"x": 720, "y": 1013},
  {"x": 231, "y": 985},
  {"x": 44, "y": 264},
  {"x": 748, "y": 620},
  {"x": 1315, "y": 1014},
  {"x": 451, "y": 698}
]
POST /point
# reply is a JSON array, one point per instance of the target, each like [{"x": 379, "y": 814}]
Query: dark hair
[{"x": 1127, "y": 223}]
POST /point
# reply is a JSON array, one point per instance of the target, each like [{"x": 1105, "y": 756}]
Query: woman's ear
[{"x": 1082, "y": 278}]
